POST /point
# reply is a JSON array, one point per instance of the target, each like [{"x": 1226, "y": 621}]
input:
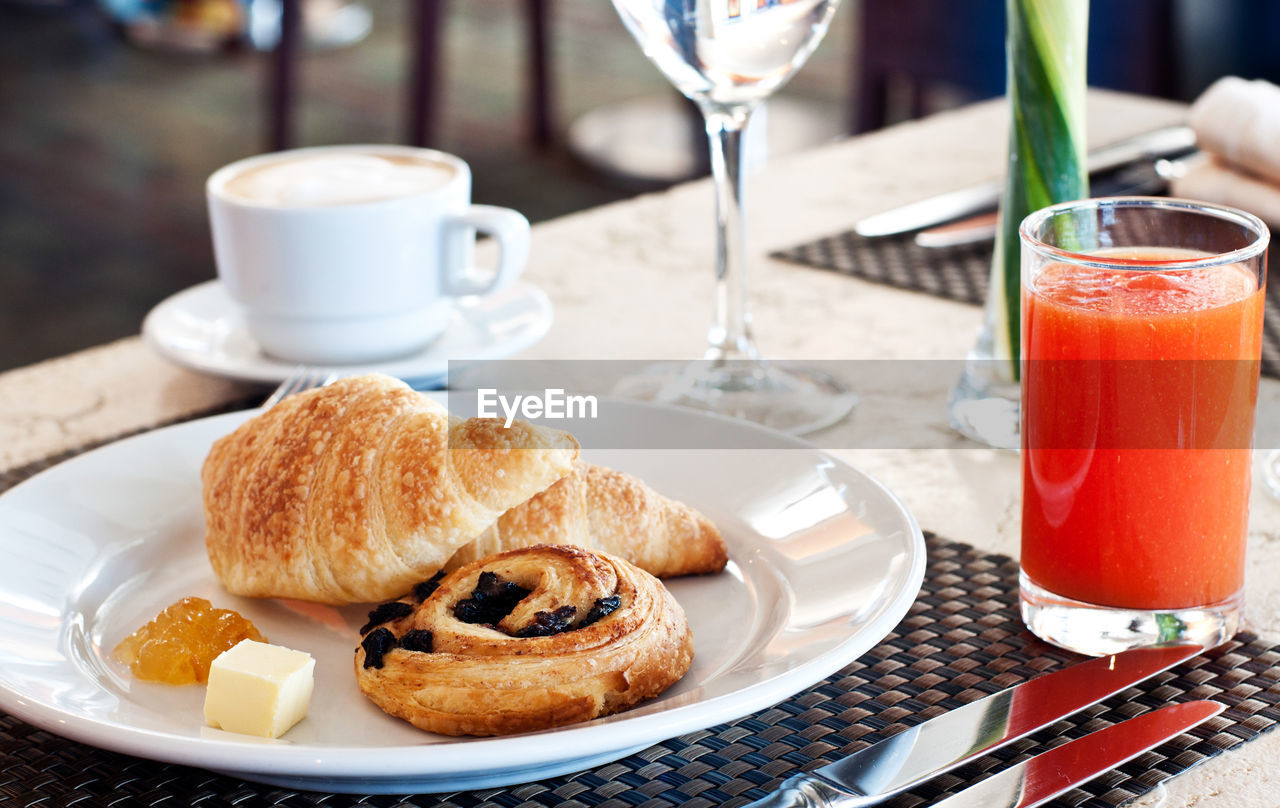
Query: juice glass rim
[{"x": 1031, "y": 224}]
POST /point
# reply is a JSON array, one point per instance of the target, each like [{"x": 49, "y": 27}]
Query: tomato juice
[{"x": 1138, "y": 395}]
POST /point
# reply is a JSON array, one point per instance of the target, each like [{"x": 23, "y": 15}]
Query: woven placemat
[
  {"x": 961, "y": 640},
  {"x": 959, "y": 273}
]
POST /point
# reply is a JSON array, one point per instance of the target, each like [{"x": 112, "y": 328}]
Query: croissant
[
  {"x": 605, "y": 510},
  {"x": 355, "y": 491},
  {"x": 524, "y": 640}
]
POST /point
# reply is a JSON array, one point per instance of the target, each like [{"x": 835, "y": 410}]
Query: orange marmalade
[{"x": 180, "y": 644}]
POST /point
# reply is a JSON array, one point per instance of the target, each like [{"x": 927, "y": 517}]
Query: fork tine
[
  {"x": 285, "y": 388},
  {"x": 302, "y": 377}
]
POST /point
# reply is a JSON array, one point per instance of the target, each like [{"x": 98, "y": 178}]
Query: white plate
[
  {"x": 202, "y": 328},
  {"x": 824, "y": 563}
]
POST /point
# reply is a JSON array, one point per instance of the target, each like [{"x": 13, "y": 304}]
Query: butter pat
[{"x": 259, "y": 689}]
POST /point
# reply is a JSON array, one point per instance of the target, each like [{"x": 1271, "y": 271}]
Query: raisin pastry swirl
[{"x": 524, "y": 640}]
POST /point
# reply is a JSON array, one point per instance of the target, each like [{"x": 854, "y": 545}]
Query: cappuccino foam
[{"x": 338, "y": 178}]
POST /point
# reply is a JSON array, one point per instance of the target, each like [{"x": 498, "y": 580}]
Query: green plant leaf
[{"x": 1047, "y": 41}]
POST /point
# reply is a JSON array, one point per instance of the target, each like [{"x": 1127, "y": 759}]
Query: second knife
[
  {"x": 948, "y": 740},
  {"x": 1171, "y": 141}
]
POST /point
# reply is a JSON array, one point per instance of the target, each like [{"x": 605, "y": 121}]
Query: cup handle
[{"x": 511, "y": 231}]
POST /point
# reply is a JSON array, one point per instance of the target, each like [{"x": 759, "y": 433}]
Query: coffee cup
[{"x": 352, "y": 254}]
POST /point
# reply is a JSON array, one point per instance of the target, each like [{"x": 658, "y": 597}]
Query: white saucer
[{"x": 202, "y": 328}]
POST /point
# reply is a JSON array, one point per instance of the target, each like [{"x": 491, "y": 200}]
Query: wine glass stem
[{"x": 730, "y": 334}]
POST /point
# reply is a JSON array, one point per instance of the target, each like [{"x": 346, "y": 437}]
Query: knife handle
[{"x": 809, "y": 791}]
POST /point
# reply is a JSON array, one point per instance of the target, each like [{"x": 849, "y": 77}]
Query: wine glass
[{"x": 728, "y": 56}]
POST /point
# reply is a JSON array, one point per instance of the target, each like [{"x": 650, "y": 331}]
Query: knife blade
[
  {"x": 1167, "y": 142},
  {"x": 1141, "y": 179},
  {"x": 946, "y": 741},
  {"x": 1047, "y": 775}
]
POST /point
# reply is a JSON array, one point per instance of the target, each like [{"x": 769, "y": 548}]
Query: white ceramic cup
[{"x": 358, "y": 271}]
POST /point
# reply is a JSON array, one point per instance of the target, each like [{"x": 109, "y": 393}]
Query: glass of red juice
[{"x": 1141, "y": 349}]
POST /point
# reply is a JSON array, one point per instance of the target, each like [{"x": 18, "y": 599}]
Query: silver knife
[
  {"x": 1165, "y": 142},
  {"x": 1047, "y": 775},
  {"x": 946, "y": 741},
  {"x": 1141, "y": 179}
]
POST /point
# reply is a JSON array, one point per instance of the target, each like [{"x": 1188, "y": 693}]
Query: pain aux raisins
[
  {"x": 547, "y": 624},
  {"x": 491, "y": 600},
  {"x": 385, "y": 613}
]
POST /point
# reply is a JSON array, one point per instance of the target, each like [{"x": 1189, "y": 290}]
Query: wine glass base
[
  {"x": 789, "y": 399},
  {"x": 1095, "y": 630},
  {"x": 1271, "y": 472}
]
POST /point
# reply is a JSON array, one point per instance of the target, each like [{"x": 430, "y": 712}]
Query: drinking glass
[
  {"x": 1142, "y": 343},
  {"x": 728, "y": 56}
]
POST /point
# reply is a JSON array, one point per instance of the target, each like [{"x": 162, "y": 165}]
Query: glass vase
[{"x": 1046, "y": 46}]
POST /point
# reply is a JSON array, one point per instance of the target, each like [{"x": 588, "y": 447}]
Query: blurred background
[{"x": 113, "y": 112}]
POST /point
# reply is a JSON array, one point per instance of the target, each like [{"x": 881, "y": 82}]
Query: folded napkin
[
  {"x": 1239, "y": 121},
  {"x": 1209, "y": 178},
  {"x": 1237, "y": 124}
]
